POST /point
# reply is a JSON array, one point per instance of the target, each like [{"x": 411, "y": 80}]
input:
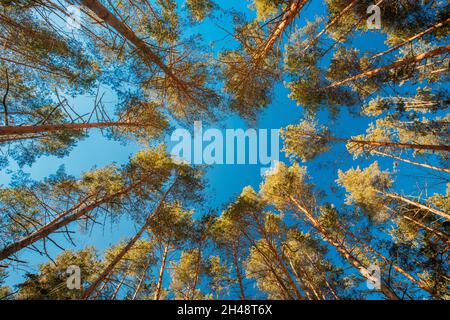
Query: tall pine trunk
[
  {"x": 145, "y": 51},
  {"x": 127, "y": 248},
  {"x": 119, "y": 286},
  {"x": 19, "y": 130},
  {"x": 327, "y": 283},
  {"x": 289, "y": 16},
  {"x": 197, "y": 274},
  {"x": 65, "y": 218},
  {"x": 342, "y": 38},
  {"x": 396, "y": 65},
  {"x": 437, "y": 233},
  {"x": 424, "y": 165},
  {"x": 162, "y": 269},
  {"x": 398, "y": 145},
  {"x": 419, "y": 283},
  {"x": 330, "y": 24},
  {"x": 238, "y": 274},
  {"x": 416, "y": 204},
  {"x": 269, "y": 263},
  {"x": 411, "y": 39},
  {"x": 277, "y": 257},
  {"x": 141, "y": 281},
  {"x": 306, "y": 286},
  {"x": 388, "y": 292}
]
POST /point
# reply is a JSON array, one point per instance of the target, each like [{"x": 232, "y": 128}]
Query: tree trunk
[
  {"x": 278, "y": 258},
  {"x": 388, "y": 292},
  {"x": 270, "y": 266},
  {"x": 238, "y": 274},
  {"x": 289, "y": 16},
  {"x": 18, "y": 130},
  {"x": 5, "y": 97},
  {"x": 416, "y": 204},
  {"x": 424, "y": 165},
  {"x": 146, "y": 53},
  {"x": 438, "y": 233},
  {"x": 419, "y": 283},
  {"x": 141, "y": 281},
  {"x": 398, "y": 145},
  {"x": 127, "y": 248},
  {"x": 61, "y": 221},
  {"x": 13, "y": 139},
  {"x": 342, "y": 38},
  {"x": 197, "y": 273},
  {"x": 398, "y": 64},
  {"x": 417, "y": 36},
  {"x": 330, "y": 24},
  {"x": 161, "y": 272},
  {"x": 113, "y": 297},
  {"x": 111, "y": 266},
  {"x": 329, "y": 286},
  {"x": 301, "y": 282}
]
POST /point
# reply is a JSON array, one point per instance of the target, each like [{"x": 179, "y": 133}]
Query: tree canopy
[{"x": 363, "y": 181}]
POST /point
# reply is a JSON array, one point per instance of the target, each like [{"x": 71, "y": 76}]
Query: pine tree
[
  {"x": 109, "y": 187},
  {"x": 308, "y": 139},
  {"x": 227, "y": 235},
  {"x": 37, "y": 58},
  {"x": 182, "y": 179},
  {"x": 187, "y": 275},
  {"x": 179, "y": 78},
  {"x": 128, "y": 271},
  {"x": 279, "y": 187},
  {"x": 52, "y": 280},
  {"x": 306, "y": 78},
  {"x": 170, "y": 230},
  {"x": 370, "y": 188}
]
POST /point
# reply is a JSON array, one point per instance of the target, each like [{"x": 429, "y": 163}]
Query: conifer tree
[
  {"x": 179, "y": 78},
  {"x": 128, "y": 272},
  {"x": 288, "y": 189},
  {"x": 183, "y": 178},
  {"x": 187, "y": 275},
  {"x": 74, "y": 200},
  {"x": 170, "y": 231},
  {"x": 52, "y": 280},
  {"x": 376, "y": 186}
]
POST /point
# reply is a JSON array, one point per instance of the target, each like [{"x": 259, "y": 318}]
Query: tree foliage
[{"x": 372, "y": 190}]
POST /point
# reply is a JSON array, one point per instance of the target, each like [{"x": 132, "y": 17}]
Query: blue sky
[{"x": 225, "y": 181}]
